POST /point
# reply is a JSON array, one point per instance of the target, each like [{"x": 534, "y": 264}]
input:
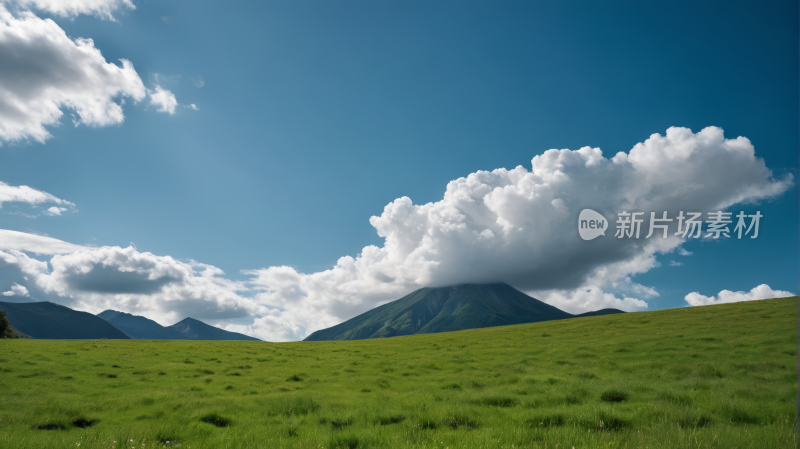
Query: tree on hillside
[
  {"x": 5, "y": 327},
  {"x": 3, "y": 322}
]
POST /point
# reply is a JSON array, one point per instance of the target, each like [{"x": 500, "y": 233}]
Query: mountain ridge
[{"x": 139, "y": 327}]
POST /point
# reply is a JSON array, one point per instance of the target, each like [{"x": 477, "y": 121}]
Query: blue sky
[{"x": 313, "y": 116}]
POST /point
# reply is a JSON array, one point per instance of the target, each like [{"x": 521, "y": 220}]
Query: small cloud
[
  {"x": 17, "y": 290},
  {"x": 160, "y": 78},
  {"x": 683, "y": 252},
  {"x": 166, "y": 19},
  {"x": 163, "y": 100},
  {"x": 193, "y": 107},
  {"x": 198, "y": 81},
  {"x": 53, "y": 211},
  {"x": 673, "y": 263}
]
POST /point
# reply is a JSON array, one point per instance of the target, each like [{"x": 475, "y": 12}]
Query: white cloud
[
  {"x": 163, "y": 100},
  {"x": 16, "y": 290},
  {"x": 25, "y": 194},
  {"x": 193, "y": 107},
  {"x": 198, "y": 81},
  {"x": 103, "y": 9},
  {"x": 530, "y": 216},
  {"x": 37, "y": 244},
  {"x": 44, "y": 70},
  {"x": 763, "y": 291},
  {"x": 684, "y": 252},
  {"x": 673, "y": 263}
]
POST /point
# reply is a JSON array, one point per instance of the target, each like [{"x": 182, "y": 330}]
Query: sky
[{"x": 275, "y": 168}]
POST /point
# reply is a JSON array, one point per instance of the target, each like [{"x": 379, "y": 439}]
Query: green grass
[{"x": 706, "y": 377}]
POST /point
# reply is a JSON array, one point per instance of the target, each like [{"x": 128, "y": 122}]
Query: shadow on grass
[
  {"x": 343, "y": 442},
  {"x": 216, "y": 420},
  {"x": 613, "y": 396},
  {"x": 462, "y": 421},
  {"x": 496, "y": 401},
  {"x": 387, "y": 420}
]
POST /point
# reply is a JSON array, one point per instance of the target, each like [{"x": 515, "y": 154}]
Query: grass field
[{"x": 705, "y": 377}]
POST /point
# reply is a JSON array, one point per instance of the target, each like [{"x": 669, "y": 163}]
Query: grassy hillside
[{"x": 705, "y": 377}]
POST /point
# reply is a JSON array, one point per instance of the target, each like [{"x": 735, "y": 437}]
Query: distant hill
[
  {"x": 52, "y": 321},
  {"x": 599, "y": 312},
  {"x": 430, "y": 310},
  {"x": 192, "y": 329},
  {"x": 140, "y": 327}
]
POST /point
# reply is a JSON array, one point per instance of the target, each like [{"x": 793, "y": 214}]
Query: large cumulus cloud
[
  {"x": 519, "y": 226},
  {"x": 516, "y": 226}
]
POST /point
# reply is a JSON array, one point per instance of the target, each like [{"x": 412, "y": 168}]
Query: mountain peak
[{"x": 193, "y": 329}]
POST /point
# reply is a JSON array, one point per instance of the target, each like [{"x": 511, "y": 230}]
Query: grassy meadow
[{"x": 719, "y": 376}]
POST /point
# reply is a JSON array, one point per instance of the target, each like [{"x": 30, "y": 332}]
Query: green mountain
[
  {"x": 431, "y": 310},
  {"x": 140, "y": 327},
  {"x": 52, "y": 321},
  {"x": 192, "y": 329}
]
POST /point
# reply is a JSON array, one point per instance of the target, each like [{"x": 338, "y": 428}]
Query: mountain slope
[
  {"x": 52, "y": 321},
  {"x": 430, "y": 310},
  {"x": 192, "y": 329},
  {"x": 139, "y": 327}
]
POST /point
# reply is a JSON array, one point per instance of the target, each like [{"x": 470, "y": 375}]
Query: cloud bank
[
  {"x": 763, "y": 291},
  {"x": 516, "y": 226},
  {"x": 159, "y": 287}
]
